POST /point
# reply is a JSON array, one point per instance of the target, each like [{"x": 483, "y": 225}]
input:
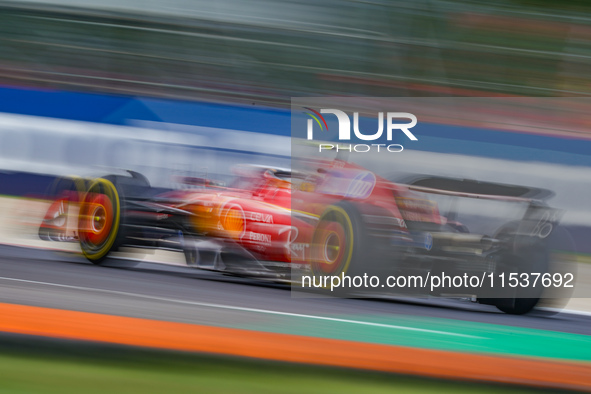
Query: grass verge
[{"x": 38, "y": 365}]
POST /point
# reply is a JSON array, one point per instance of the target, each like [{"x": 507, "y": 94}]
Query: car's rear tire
[
  {"x": 532, "y": 259},
  {"x": 338, "y": 243},
  {"x": 520, "y": 306}
]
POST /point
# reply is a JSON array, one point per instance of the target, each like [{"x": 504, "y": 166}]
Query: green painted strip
[{"x": 469, "y": 337}]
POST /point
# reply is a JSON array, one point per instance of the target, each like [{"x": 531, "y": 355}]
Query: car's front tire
[{"x": 99, "y": 220}]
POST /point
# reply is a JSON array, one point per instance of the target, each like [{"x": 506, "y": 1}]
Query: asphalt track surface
[{"x": 160, "y": 292}]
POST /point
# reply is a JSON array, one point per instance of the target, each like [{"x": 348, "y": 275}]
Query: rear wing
[{"x": 476, "y": 189}]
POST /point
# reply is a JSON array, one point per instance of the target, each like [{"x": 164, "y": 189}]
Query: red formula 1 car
[{"x": 329, "y": 219}]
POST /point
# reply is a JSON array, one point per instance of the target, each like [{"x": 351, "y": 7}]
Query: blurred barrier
[
  {"x": 541, "y": 125},
  {"x": 38, "y": 145}
]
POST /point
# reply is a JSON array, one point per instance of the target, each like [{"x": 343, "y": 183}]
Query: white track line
[
  {"x": 567, "y": 311},
  {"x": 244, "y": 309}
]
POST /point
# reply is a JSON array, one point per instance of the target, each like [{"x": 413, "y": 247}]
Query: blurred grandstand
[{"x": 265, "y": 51}]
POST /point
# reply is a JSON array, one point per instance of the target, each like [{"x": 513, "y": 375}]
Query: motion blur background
[
  {"x": 268, "y": 51},
  {"x": 192, "y": 87}
]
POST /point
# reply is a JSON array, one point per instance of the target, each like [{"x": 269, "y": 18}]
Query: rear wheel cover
[{"x": 99, "y": 219}]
